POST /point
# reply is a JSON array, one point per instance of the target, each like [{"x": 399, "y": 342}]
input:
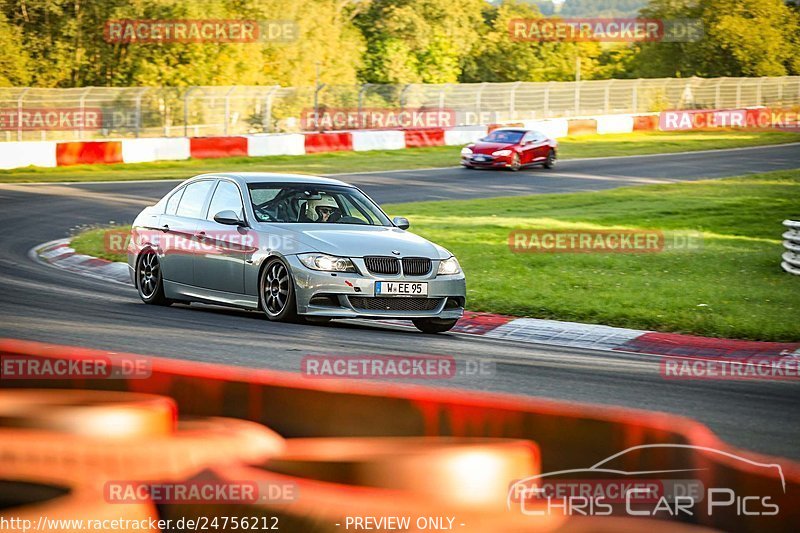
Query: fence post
[
  {"x": 266, "y": 118},
  {"x": 739, "y": 92},
  {"x": 607, "y": 97},
  {"x": 186, "y": 110},
  {"x": 361, "y": 98},
  {"x": 512, "y": 101},
  {"x": 577, "y": 97},
  {"x": 227, "y": 109},
  {"x": 82, "y": 105},
  {"x": 478, "y": 100},
  {"x": 635, "y": 95},
  {"x": 758, "y": 91},
  {"x": 403, "y": 96},
  {"x": 547, "y": 99},
  {"x": 139, "y": 109},
  {"x": 717, "y": 103},
  {"x": 19, "y": 112}
]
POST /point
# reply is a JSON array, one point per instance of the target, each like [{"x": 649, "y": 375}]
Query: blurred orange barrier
[
  {"x": 459, "y": 472},
  {"x": 581, "y": 126},
  {"x": 645, "y": 122},
  {"x": 569, "y": 436},
  {"x": 88, "y": 413},
  {"x": 326, "y": 507},
  {"x": 214, "y": 147},
  {"x": 328, "y": 142},
  {"x": 87, "y": 153},
  {"x": 88, "y": 435},
  {"x": 424, "y": 137},
  {"x": 48, "y": 506}
]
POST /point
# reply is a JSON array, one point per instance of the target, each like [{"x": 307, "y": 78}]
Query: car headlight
[
  {"x": 327, "y": 263},
  {"x": 502, "y": 152},
  {"x": 466, "y": 150},
  {"x": 449, "y": 266}
]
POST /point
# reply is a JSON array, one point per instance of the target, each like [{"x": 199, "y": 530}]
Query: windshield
[
  {"x": 314, "y": 204},
  {"x": 504, "y": 136}
]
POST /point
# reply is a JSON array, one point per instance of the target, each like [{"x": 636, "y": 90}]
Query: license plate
[
  {"x": 480, "y": 158},
  {"x": 400, "y": 288}
]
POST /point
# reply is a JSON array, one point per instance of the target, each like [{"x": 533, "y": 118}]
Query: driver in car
[{"x": 324, "y": 209}]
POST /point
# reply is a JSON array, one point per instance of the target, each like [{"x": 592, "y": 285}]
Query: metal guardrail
[
  {"x": 236, "y": 110},
  {"x": 791, "y": 242}
]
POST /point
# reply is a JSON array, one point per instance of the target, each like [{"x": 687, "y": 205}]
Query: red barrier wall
[
  {"x": 645, "y": 123},
  {"x": 212, "y": 147},
  {"x": 569, "y": 435},
  {"x": 427, "y": 137},
  {"x": 328, "y": 142},
  {"x": 87, "y": 153},
  {"x": 581, "y": 126}
]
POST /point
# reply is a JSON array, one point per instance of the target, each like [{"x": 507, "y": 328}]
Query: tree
[
  {"x": 742, "y": 38},
  {"x": 14, "y": 61},
  {"x": 500, "y": 58},
  {"x": 412, "y": 41}
]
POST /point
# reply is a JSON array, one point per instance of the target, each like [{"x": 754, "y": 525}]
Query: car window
[
  {"x": 226, "y": 198},
  {"x": 504, "y": 136},
  {"x": 194, "y": 198},
  {"x": 314, "y": 204},
  {"x": 531, "y": 136},
  {"x": 172, "y": 203},
  {"x": 352, "y": 209}
]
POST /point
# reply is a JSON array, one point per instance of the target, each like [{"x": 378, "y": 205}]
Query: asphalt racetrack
[{"x": 38, "y": 302}]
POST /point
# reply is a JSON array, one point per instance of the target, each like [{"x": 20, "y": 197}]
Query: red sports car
[{"x": 511, "y": 148}]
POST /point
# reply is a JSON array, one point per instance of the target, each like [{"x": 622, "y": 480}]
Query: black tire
[
  {"x": 149, "y": 282},
  {"x": 550, "y": 162},
  {"x": 276, "y": 292},
  {"x": 468, "y": 167},
  {"x": 515, "y": 163},
  {"x": 434, "y": 325}
]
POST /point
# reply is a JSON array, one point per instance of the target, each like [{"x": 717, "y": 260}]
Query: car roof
[
  {"x": 514, "y": 130},
  {"x": 245, "y": 178}
]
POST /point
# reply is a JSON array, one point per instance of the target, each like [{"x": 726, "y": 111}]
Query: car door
[
  {"x": 178, "y": 241},
  {"x": 528, "y": 148},
  {"x": 539, "y": 147},
  {"x": 220, "y": 260}
]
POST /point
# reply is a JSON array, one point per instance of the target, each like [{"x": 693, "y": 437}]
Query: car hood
[
  {"x": 357, "y": 241},
  {"x": 488, "y": 148}
]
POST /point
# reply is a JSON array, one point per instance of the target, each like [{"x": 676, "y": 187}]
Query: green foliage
[
  {"x": 60, "y": 43},
  {"x": 742, "y": 38},
  {"x": 14, "y": 60}
]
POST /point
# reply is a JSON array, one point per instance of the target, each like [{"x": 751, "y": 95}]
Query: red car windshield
[{"x": 504, "y": 136}]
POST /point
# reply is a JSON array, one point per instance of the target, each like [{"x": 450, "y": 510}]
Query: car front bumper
[
  {"x": 342, "y": 295},
  {"x": 486, "y": 161}
]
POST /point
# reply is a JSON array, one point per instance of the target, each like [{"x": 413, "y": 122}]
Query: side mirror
[
  {"x": 229, "y": 218},
  {"x": 401, "y": 222}
]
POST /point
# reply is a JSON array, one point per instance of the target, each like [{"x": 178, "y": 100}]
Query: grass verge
[
  {"x": 441, "y": 156},
  {"x": 732, "y": 287}
]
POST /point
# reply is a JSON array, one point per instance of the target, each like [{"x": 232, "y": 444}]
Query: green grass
[
  {"x": 732, "y": 287},
  {"x": 440, "y": 156}
]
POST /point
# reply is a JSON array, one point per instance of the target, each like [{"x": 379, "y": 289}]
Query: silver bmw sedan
[{"x": 296, "y": 247}]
